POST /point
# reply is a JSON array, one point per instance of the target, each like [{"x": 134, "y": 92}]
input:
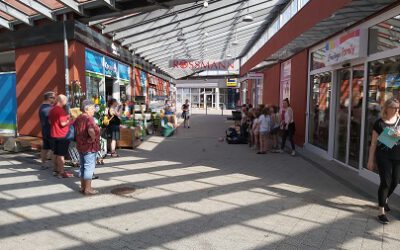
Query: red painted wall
[
  {"x": 76, "y": 63},
  {"x": 39, "y": 69},
  {"x": 311, "y": 14},
  {"x": 298, "y": 94},
  {"x": 271, "y": 85}
]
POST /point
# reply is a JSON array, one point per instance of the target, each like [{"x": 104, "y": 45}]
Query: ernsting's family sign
[{"x": 202, "y": 64}]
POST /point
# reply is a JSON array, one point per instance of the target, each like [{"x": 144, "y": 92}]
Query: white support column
[{"x": 217, "y": 98}]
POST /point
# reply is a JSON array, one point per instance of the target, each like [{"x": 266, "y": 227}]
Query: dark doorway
[{"x": 109, "y": 88}]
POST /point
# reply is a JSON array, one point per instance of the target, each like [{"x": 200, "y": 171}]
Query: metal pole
[
  {"x": 66, "y": 54},
  {"x": 222, "y": 108},
  {"x": 206, "y": 106}
]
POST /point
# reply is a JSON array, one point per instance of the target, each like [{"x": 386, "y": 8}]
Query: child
[
  {"x": 265, "y": 129},
  {"x": 256, "y": 130}
]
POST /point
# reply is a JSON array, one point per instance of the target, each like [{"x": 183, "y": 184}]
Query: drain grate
[{"x": 123, "y": 191}]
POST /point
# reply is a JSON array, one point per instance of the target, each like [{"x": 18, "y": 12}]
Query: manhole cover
[{"x": 123, "y": 191}]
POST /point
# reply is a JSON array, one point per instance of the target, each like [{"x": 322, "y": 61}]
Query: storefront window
[
  {"x": 321, "y": 85},
  {"x": 385, "y": 35},
  {"x": 318, "y": 59},
  {"x": 93, "y": 86},
  {"x": 384, "y": 83}
]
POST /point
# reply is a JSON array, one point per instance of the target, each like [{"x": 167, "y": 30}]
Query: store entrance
[
  {"x": 109, "y": 88},
  {"x": 348, "y": 115}
]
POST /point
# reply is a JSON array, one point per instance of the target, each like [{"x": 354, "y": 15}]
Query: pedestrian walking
[
  {"x": 44, "y": 110},
  {"x": 287, "y": 126},
  {"x": 384, "y": 154},
  {"x": 60, "y": 123},
  {"x": 88, "y": 144}
]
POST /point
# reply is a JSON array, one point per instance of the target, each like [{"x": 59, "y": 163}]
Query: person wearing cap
[
  {"x": 88, "y": 144},
  {"x": 44, "y": 110}
]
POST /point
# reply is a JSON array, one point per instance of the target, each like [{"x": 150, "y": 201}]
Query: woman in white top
[
  {"x": 265, "y": 128},
  {"x": 287, "y": 126}
]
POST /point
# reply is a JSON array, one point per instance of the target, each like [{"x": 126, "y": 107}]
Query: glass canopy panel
[{"x": 21, "y": 7}]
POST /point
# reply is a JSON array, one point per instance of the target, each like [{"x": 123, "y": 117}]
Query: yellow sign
[{"x": 231, "y": 82}]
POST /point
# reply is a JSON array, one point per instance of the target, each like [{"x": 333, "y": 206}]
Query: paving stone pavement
[{"x": 194, "y": 192}]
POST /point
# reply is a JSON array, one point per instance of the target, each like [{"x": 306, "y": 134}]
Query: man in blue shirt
[{"x": 47, "y": 105}]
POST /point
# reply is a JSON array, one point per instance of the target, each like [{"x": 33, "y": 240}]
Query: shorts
[
  {"x": 264, "y": 133},
  {"x": 46, "y": 143},
  {"x": 60, "y": 146},
  {"x": 185, "y": 116},
  {"x": 87, "y": 165},
  {"x": 113, "y": 132},
  {"x": 275, "y": 131}
]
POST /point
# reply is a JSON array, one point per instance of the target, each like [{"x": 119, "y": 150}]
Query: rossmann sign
[{"x": 202, "y": 64}]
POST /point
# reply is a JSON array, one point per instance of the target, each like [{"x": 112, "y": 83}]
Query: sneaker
[
  {"x": 44, "y": 167},
  {"x": 387, "y": 208},
  {"x": 65, "y": 175},
  {"x": 293, "y": 153},
  {"x": 188, "y": 126},
  {"x": 383, "y": 219}
]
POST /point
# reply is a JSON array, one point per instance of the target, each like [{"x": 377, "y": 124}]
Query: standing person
[
  {"x": 60, "y": 123},
  {"x": 44, "y": 110},
  {"x": 288, "y": 126},
  {"x": 387, "y": 159},
  {"x": 275, "y": 126},
  {"x": 88, "y": 144},
  {"x": 113, "y": 132},
  {"x": 186, "y": 114},
  {"x": 256, "y": 130},
  {"x": 265, "y": 129},
  {"x": 243, "y": 122}
]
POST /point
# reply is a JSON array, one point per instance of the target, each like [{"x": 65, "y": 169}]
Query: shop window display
[
  {"x": 321, "y": 85},
  {"x": 383, "y": 84}
]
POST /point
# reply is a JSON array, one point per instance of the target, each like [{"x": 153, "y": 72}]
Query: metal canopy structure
[
  {"x": 161, "y": 30},
  {"x": 193, "y": 31}
]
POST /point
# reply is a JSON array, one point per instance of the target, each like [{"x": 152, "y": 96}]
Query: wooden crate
[{"x": 128, "y": 138}]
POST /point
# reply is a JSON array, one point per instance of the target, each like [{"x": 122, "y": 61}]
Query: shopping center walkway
[{"x": 194, "y": 192}]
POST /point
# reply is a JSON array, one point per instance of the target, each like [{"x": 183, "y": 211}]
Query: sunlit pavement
[{"x": 193, "y": 192}]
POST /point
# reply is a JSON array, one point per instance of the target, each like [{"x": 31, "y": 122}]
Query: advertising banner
[
  {"x": 343, "y": 48},
  {"x": 93, "y": 61},
  {"x": 124, "y": 71},
  {"x": 286, "y": 71},
  {"x": 8, "y": 103},
  {"x": 231, "y": 82},
  {"x": 110, "y": 67}
]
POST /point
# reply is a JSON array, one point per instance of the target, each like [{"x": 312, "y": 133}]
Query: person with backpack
[
  {"x": 265, "y": 128},
  {"x": 60, "y": 128}
]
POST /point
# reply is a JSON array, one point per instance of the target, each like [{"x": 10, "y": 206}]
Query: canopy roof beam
[{"x": 10, "y": 10}]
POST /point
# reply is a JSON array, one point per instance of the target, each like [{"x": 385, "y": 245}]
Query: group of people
[
  {"x": 262, "y": 125},
  {"x": 59, "y": 129}
]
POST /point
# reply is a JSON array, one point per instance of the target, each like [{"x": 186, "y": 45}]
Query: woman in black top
[
  {"x": 385, "y": 158},
  {"x": 113, "y": 134}
]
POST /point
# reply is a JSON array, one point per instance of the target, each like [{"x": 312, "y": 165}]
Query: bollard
[
  {"x": 206, "y": 109},
  {"x": 222, "y": 108}
]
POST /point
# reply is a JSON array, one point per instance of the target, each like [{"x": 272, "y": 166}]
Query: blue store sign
[
  {"x": 8, "y": 103},
  {"x": 143, "y": 79},
  {"x": 110, "y": 67},
  {"x": 124, "y": 71},
  {"x": 93, "y": 62}
]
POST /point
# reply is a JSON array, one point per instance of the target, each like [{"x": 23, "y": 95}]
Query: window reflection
[
  {"x": 319, "y": 109},
  {"x": 385, "y": 35},
  {"x": 384, "y": 83}
]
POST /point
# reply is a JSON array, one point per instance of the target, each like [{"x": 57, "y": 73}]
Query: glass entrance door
[{"x": 348, "y": 115}]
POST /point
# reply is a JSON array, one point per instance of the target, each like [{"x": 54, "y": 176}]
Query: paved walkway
[{"x": 194, "y": 192}]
